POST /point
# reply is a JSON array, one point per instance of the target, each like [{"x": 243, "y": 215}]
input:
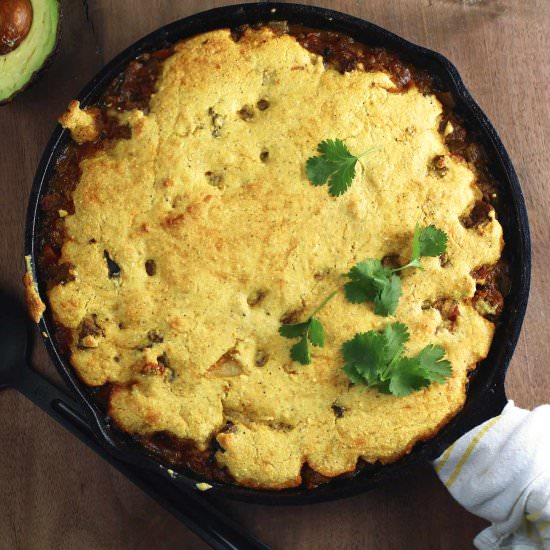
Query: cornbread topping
[
  {"x": 35, "y": 305},
  {"x": 191, "y": 232}
]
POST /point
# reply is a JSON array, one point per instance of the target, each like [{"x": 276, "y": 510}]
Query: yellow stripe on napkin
[{"x": 469, "y": 450}]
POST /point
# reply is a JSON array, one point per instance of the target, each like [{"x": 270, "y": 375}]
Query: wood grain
[{"x": 54, "y": 493}]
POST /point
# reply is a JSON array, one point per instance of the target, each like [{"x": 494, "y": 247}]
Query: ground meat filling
[
  {"x": 132, "y": 89},
  {"x": 345, "y": 54},
  {"x": 492, "y": 285},
  {"x": 182, "y": 453}
]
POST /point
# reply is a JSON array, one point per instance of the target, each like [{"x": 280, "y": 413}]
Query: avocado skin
[{"x": 46, "y": 63}]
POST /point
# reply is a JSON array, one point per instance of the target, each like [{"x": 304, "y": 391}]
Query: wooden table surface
[{"x": 55, "y": 493}]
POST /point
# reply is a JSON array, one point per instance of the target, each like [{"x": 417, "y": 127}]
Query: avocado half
[{"x": 19, "y": 66}]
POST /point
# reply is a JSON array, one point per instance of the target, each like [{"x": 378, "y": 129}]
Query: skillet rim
[{"x": 489, "y": 395}]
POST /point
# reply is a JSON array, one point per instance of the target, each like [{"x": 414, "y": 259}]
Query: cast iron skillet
[{"x": 486, "y": 395}]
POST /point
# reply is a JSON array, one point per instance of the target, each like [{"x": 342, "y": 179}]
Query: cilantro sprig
[
  {"x": 427, "y": 241},
  {"x": 370, "y": 281},
  {"x": 335, "y": 164},
  {"x": 309, "y": 332},
  {"x": 377, "y": 360}
]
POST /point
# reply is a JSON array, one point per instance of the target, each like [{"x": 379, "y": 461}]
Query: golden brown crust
[
  {"x": 35, "y": 305},
  {"x": 189, "y": 244},
  {"x": 82, "y": 123}
]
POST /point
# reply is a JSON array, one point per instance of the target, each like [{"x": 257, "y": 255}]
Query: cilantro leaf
[
  {"x": 341, "y": 180},
  {"x": 365, "y": 352},
  {"x": 319, "y": 170},
  {"x": 316, "y": 333},
  {"x": 293, "y": 331},
  {"x": 353, "y": 374},
  {"x": 334, "y": 150},
  {"x": 335, "y": 164},
  {"x": 386, "y": 302},
  {"x": 397, "y": 335},
  {"x": 368, "y": 278},
  {"x": 370, "y": 281},
  {"x": 427, "y": 241},
  {"x": 377, "y": 360},
  {"x": 432, "y": 362},
  {"x": 356, "y": 293},
  {"x": 300, "y": 351},
  {"x": 309, "y": 332},
  {"x": 407, "y": 377}
]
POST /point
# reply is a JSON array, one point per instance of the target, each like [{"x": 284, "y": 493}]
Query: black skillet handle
[
  {"x": 193, "y": 509},
  {"x": 48, "y": 396}
]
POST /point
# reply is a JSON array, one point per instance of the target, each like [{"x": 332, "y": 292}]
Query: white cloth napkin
[{"x": 500, "y": 471}]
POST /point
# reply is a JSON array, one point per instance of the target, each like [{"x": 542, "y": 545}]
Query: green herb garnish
[
  {"x": 309, "y": 332},
  {"x": 370, "y": 281},
  {"x": 335, "y": 164},
  {"x": 376, "y": 359},
  {"x": 428, "y": 241}
]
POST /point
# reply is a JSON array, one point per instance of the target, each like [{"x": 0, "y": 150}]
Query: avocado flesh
[{"x": 18, "y": 67}]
